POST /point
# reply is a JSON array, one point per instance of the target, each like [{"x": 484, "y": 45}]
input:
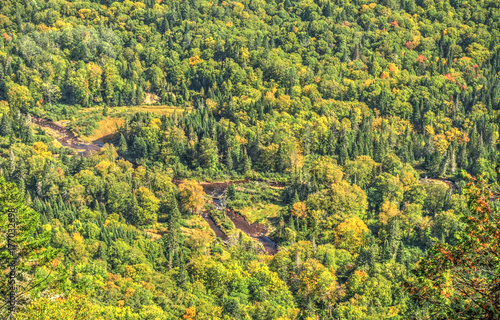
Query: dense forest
[{"x": 296, "y": 159}]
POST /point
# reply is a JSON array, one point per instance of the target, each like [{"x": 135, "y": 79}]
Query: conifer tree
[
  {"x": 5, "y": 126},
  {"x": 171, "y": 239},
  {"x": 20, "y": 249}
]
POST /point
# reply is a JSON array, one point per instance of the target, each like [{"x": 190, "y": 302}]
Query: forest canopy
[{"x": 296, "y": 159}]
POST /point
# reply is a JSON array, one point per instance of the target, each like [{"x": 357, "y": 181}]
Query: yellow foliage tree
[
  {"x": 348, "y": 234},
  {"x": 148, "y": 206},
  {"x": 72, "y": 307},
  {"x": 192, "y": 195},
  {"x": 326, "y": 170},
  {"x": 299, "y": 210},
  {"x": 388, "y": 210},
  {"x": 41, "y": 149},
  {"x": 104, "y": 167},
  {"x": 317, "y": 283}
]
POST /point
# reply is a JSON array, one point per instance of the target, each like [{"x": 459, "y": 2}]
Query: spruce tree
[
  {"x": 5, "y": 126},
  {"x": 22, "y": 250},
  {"x": 231, "y": 192},
  {"x": 171, "y": 239}
]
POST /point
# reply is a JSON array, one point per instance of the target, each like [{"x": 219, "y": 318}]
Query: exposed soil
[
  {"x": 215, "y": 189},
  {"x": 255, "y": 231},
  {"x": 214, "y": 227},
  {"x": 151, "y": 98},
  {"x": 66, "y": 137}
]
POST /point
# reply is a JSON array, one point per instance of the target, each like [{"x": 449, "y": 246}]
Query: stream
[
  {"x": 66, "y": 137},
  {"x": 255, "y": 231}
]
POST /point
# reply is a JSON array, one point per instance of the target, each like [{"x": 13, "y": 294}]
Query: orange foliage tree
[
  {"x": 462, "y": 281},
  {"x": 192, "y": 196}
]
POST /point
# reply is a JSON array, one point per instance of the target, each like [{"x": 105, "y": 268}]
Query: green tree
[
  {"x": 19, "y": 98},
  {"x": 5, "y": 126},
  {"x": 208, "y": 157},
  {"x": 462, "y": 281},
  {"x": 387, "y": 188},
  {"x": 361, "y": 170},
  {"x": 171, "y": 239},
  {"x": 23, "y": 250},
  {"x": 148, "y": 205}
]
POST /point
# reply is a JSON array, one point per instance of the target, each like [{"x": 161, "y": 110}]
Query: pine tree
[
  {"x": 231, "y": 192},
  {"x": 246, "y": 164},
  {"x": 5, "y": 126},
  {"x": 140, "y": 148},
  {"x": 171, "y": 239},
  {"x": 295, "y": 198},
  {"x": 21, "y": 250},
  {"x": 183, "y": 275},
  {"x": 343, "y": 149},
  {"x": 229, "y": 160},
  {"x": 280, "y": 159},
  {"x": 394, "y": 237}
]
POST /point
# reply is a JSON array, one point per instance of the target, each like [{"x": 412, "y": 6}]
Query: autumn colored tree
[
  {"x": 192, "y": 196},
  {"x": 462, "y": 281},
  {"x": 387, "y": 211},
  {"x": 340, "y": 201},
  {"x": 348, "y": 234},
  {"x": 360, "y": 170},
  {"x": 299, "y": 211},
  {"x": 19, "y": 98},
  {"x": 317, "y": 284}
]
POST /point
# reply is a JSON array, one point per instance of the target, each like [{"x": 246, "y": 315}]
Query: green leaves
[
  {"x": 22, "y": 249},
  {"x": 462, "y": 280}
]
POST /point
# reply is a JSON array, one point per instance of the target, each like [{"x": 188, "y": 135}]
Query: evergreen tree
[
  {"x": 20, "y": 248},
  {"x": 246, "y": 164},
  {"x": 139, "y": 148},
  {"x": 5, "y": 126},
  {"x": 171, "y": 239},
  {"x": 231, "y": 192}
]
